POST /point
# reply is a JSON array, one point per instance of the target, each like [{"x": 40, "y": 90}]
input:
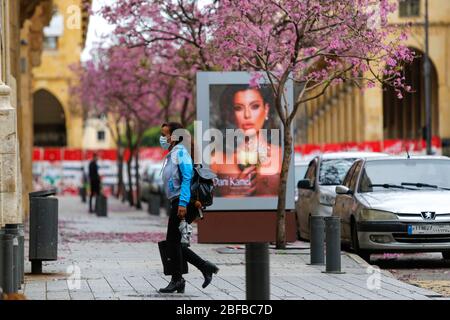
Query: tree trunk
[
  {"x": 183, "y": 114},
  {"x": 130, "y": 181},
  {"x": 281, "y": 207},
  {"x": 138, "y": 189},
  {"x": 166, "y": 113},
  {"x": 129, "y": 164},
  {"x": 120, "y": 184}
]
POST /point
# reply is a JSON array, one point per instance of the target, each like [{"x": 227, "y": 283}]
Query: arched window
[{"x": 405, "y": 118}]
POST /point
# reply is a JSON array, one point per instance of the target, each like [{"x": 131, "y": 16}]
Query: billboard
[{"x": 241, "y": 139}]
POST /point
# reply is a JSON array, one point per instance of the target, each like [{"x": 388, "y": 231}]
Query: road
[{"x": 427, "y": 270}]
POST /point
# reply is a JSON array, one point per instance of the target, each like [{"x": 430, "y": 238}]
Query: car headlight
[
  {"x": 377, "y": 215},
  {"x": 326, "y": 200}
]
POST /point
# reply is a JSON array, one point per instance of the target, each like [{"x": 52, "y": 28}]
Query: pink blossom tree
[
  {"x": 178, "y": 33},
  {"x": 314, "y": 43},
  {"x": 91, "y": 80},
  {"x": 120, "y": 84}
]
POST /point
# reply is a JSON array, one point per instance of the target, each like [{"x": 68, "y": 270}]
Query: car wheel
[
  {"x": 355, "y": 243},
  {"x": 446, "y": 255}
]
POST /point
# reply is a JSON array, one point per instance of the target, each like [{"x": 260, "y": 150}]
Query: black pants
[
  {"x": 179, "y": 252},
  {"x": 95, "y": 190}
]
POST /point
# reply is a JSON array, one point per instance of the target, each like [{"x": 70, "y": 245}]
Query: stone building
[
  {"x": 24, "y": 59},
  {"x": 345, "y": 114},
  {"x": 21, "y": 27}
]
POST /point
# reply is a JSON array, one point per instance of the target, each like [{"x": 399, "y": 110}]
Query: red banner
[
  {"x": 53, "y": 154},
  {"x": 37, "y": 154},
  {"x": 389, "y": 146},
  {"x": 72, "y": 155},
  {"x": 157, "y": 154}
]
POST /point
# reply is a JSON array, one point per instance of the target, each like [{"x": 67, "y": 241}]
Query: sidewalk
[{"x": 118, "y": 258}]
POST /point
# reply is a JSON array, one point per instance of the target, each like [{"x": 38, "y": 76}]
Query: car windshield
[
  {"x": 332, "y": 172},
  {"x": 405, "y": 175}
]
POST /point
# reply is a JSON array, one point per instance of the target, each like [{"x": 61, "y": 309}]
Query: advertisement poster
[
  {"x": 242, "y": 140},
  {"x": 256, "y": 161}
]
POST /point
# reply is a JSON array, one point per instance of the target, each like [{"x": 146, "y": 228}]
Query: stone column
[
  {"x": 9, "y": 209},
  {"x": 373, "y": 114},
  {"x": 349, "y": 115}
]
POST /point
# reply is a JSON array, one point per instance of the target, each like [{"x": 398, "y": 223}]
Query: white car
[
  {"x": 317, "y": 190},
  {"x": 396, "y": 204}
]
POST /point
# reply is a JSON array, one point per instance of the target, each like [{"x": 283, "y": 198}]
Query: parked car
[
  {"x": 396, "y": 204},
  {"x": 317, "y": 189},
  {"x": 151, "y": 181}
]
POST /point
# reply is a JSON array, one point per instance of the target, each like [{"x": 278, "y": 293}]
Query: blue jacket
[{"x": 178, "y": 163}]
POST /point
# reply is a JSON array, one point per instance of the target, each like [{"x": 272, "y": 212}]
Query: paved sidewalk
[{"x": 118, "y": 258}]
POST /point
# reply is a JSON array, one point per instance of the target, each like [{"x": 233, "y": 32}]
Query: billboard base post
[{"x": 257, "y": 273}]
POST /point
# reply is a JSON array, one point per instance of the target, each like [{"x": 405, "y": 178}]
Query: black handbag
[{"x": 164, "y": 251}]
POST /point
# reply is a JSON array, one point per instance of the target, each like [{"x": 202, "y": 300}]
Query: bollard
[
  {"x": 154, "y": 204},
  {"x": 317, "y": 236},
  {"x": 16, "y": 269},
  {"x": 83, "y": 194},
  {"x": 6, "y": 263},
  {"x": 333, "y": 244},
  {"x": 18, "y": 251},
  {"x": 13, "y": 229},
  {"x": 22, "y": 252},
  {"x": 101, "y": 206},
  {"x": 257, "y": 274}
]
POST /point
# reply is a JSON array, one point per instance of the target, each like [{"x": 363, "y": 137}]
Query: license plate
[{"x": 429, "y": 229}]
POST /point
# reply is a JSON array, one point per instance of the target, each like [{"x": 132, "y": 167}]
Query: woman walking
[{"x": 177, "y": 176}]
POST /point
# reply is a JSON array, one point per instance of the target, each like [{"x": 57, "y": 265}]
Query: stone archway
[
  {"x": 405, "y": 118},
  {"x": 49, "y": 120}
]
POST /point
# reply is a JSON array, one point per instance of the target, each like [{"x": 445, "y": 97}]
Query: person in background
[
  {"x": 177, "y": 176},
  {"x": 94, "y": 180}
]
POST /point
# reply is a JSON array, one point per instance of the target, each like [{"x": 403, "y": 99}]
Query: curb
[
  {"x": 363, "y": 263},
  {"x": 358, "y": 259}
]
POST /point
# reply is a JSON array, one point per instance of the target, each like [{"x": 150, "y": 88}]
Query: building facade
[
  {"x": 34, "y": 77},
  {"x": 58, "y": 118},
  {"x": 346, "y": 114},
  {"x": 21, "y": 28}
]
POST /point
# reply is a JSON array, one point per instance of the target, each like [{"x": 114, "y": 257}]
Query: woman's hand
[
  {"x": 249, "y": 172},
  {"x": 181, "y": 212}
]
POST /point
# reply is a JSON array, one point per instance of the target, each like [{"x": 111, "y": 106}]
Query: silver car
[
  {"x": 317, "y": 189},
  {"x": 151, "y": 181},
  {"x": 396, "y": 204}
]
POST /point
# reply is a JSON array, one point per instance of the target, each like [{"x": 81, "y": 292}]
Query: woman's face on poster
[{"x": 250, "y": 110}]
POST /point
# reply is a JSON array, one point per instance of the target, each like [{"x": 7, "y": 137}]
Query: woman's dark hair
[
  {"x": 227, "y": 96},
  {"x": 172, "y": 126}
]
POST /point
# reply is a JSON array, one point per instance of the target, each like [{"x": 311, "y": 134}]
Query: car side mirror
[
  {"x": 343, "y": 190},
  {"x": 304, "y": 184}
]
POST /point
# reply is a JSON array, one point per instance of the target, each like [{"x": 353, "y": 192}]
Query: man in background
[{"x": 94, "y": 180}]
